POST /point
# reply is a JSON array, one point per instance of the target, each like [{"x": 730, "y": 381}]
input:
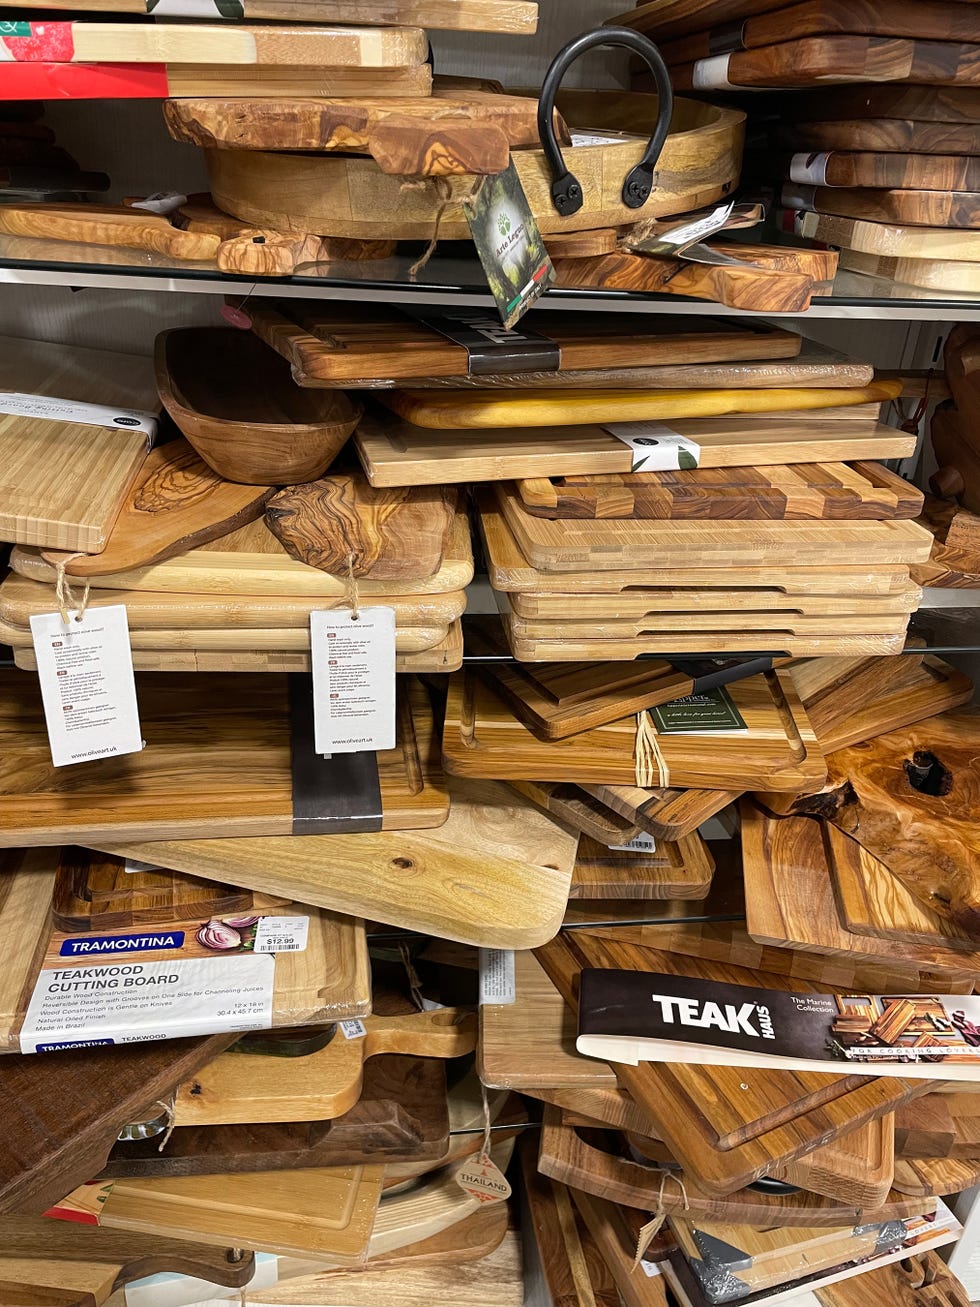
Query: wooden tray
[
  {"x": 446, "y": 410},
  {"x": 892, "y": 240},
  {"x": 73, "y": 513},
  {"x": 195, "y": 731},
  {"x": 237, "y": 405},
  {"x": 808, "y": 490},
  {"x": 328, "y": 346},
  {"x": 337, "y": 196},
  {"x": 680, "y": 870},
  {"x": 958, "y": 209},
  {"x": 482, "y": 737},
  {"x": 495, "y": 874}
]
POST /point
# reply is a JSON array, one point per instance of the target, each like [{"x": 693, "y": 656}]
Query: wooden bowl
[{"x": 236, "y": 402}]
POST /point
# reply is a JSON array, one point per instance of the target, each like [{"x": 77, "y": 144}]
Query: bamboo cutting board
[
  {"x": 699, "y": 643},
  {"x": 681, "y": 870},
  {"x": 329, "y": 347},
  {"x": 188, "y": 782},
  {"x": 750, "y": 625},
  {"x": 469, "y": 410},
  {"x": 946, "y": 274},
  {"x": 40, "y": 505},
  {"x": 483, "y": 738},
  {"x": 958, "y": 209},
  {"x": 773, "y": 599}
]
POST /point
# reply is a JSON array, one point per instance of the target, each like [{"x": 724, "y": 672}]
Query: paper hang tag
[
  {"x": 656, "y": 448},
  {"x": 353, "y": 680},
  {"x": 497, "y": 980},
  {"x": 85, "y": 670},
  {"x": 711, "y": 223},
  {"x": 19, "y": 404},
  {"x": 161, "y": 202},
  {"x": 483, "y": 1180},
  {"x": 510, "y": 247},
  {"x": 646, "y": 1236}
]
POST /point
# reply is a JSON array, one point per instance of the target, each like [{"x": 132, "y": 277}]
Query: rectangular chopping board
[
  {"x": 220, "y": 760},
  {"x": 39, "y": 503},
  {"x": 327, "y": 346},
  {"x": 397, "y": 453}
]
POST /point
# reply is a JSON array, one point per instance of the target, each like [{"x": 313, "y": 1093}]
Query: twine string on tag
[
  {"x": 63, "y": 591},
  {"x": 352, "y": 594},
  {"x": 653, "y": 1227},
  {"x": 444, "y": 198},
  {"x": 169, "y": 1109},
  {"x": 485, "y": 1148},
  {"x": 647, "y": 755},
  {"x": 414, "y": 983}
]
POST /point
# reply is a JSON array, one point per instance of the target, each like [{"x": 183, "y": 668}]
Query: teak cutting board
[
  {"x": 482, "y": 737},
  {"x": 175, "y": 504},
  {"x": 674, "y": 870},
  {"x": 914, "y": 172},
  {"x": 445, "y": 410},
  {"x": 858, "y": 1167},
  {"x": 495, "y": 874},
  {"x": 887, "y": 135},
  {"x": 667, "y": 814},
  {"x": 189, "y": 782},
  {"x": 571, "y": 804},
  {"x": 914, "y": 1280},
  {"x": 327, "y": 346},
  {"x": 808, "y": 490},
  {"x": 910, "y": 207},
  {"x": 41, "y": 506}
]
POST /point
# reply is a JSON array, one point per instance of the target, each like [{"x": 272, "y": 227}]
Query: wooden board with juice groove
[
  {"x": 667, "y": 814},
  {"x": 913, "y": 172},
  {"x": 329, "y": 346},
  {"x": 955, "y": 209},
  {"x": 571, "y": 805},
  {"x": 496, "y": 874},
  {"x": 892, "y": 239},
  {"x": 726, "y": 1135},
  {"x": 468, "y": 410},
  {"x": 74, "y": 513},
  {"x": 251, "y": 561},
  {"x": 859, "y": 1167},
  {"x": 674, "y": 870},
  {"x": 807, "y": 490},
  {"x": 483, "y": 737},
  {"x": 517, "y": 16},
  {"x": 188, "y": 781},
  {"x": 621, "y": 544},
  {"x": 790, "y": 901}
]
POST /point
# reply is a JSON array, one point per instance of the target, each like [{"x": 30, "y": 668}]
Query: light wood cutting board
[
  {"x": 892, "y": 240},
  {"x": 41, "y": 506}
]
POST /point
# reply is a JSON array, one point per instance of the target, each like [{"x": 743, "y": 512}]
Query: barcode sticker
[
  {"x": 281, "y": 934},
  {"x": 353, "y": 1029},
  {"x": 642, "y": 843}
]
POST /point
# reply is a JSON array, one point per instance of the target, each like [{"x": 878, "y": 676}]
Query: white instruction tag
[
  {"x": 809, "y": 169},
  {"x": 601, "y": 138},
  {"x": 650, "y": 1269},
  {"x": 281, "y": 934},
  {"x": 161, "y": 202},
  {"x": 353, "y": 1029},
  {"x": 353, "y": 680},
  {"x": 711, "y": 74},
  {"x": 128, "y": 1002},
  {"x": 71, "y": 410},
  {"x": 87, "y": 686},
  {"x": 656, "y": 448},
  {"x": 497, "y": 983},
  {"x": 642, "y": 843},
  {"x": 694, "y": 231}
]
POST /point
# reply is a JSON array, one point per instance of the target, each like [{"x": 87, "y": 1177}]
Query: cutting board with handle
[
  {"x": 672, "y": 870},
  {"x": 668, "y": 814},
  {"x": 960, "y": 209},
  {"x": 807, "y": 490},
  {"x": 103, "y": 224}
]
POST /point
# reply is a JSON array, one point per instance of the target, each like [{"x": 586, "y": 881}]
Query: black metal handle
[{"x": 566, "y": 191}]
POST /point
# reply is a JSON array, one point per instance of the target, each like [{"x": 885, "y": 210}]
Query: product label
[
  {"x": 353, "y": 1029},
  {"x": 161, "y": 202},
  {"x": 281, "y": 934},
  {"x": 509, "y": 244},
  {"x": 483, "y": 1180},
  {"x": 85, "y": 669},
  {"x": 147, "y": 941},
  {"x": 353, "y": 680},
  {"x": 492, "y": 349},
  {"x": 650, "y": 1269},
  {"x": 71, "y": 410},
  {"x": 712, "y": 222},
  {"x": 656, "y": 448},
  {"x": 711, "y": 713},
  {"x": 711, "y": 74},
  {"x": 497, "y": 983},
  {"x": 602, "y": 138},
  {"x": 34, "y": 42},
  {"x": 809, "y": 169},
  {"x": 642, "y": 843},
  {"x": 196, "y": 8}
]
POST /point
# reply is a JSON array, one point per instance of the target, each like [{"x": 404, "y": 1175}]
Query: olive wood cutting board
[
  {"x": 188, "y": 782},
  {"x": 958, "y": 209},
  {"x": 914, "y": 172},
  {"x": 893, "y": 240},
  {"x": 673, "y": 870},
  {"x": 175, "y": 504},
  {"x": 928, "y": 1177},
  {"x": 328, "y": 346},
  {"x": 397, "y": 453},
  {"x": 807, "y": 490},
  {"x": 40, "y": 506},
  {"x": 495, "y": 874},
  {"x": 573, "y": 545},
  {"x": 400, "y": 1116},
  {"x": 482, "y": 737},
  {"x": 667, "y": 814},
  {"x": 517, "y": 16},
  {"x": 251, "y": 561},
  {"x": 446, "y": 410}
]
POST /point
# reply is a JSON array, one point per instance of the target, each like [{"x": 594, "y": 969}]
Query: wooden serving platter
[
  {"x": 447, "y": 410},
  {"x": 482, "y": 737},
  {"x": 188, "y": 781},
  {"x": 673, "y": 870},
  {"x": 807, "y": 490},
  {"x": 327, "y": 346},
  {"x": 73, "y": 513},
  {"x": 891, "y": 239},
  {"x": 397, "y": 453},
  {"x": 957, "y": 209}
]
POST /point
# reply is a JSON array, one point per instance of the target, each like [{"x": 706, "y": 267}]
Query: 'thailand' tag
[
  {"x": 353, "y": 680},
  {"x": 85, "y": 669},
  {"x": 483, "y": 1180}
]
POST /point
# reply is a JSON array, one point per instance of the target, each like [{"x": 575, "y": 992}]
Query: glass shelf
[{"x": 449, "y": 277}]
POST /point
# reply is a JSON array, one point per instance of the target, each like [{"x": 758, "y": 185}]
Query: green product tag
[
  {"x": 14, "y": 29},
  {"x": 509, "y": 244},
  {"x": 699, "y": 714}
]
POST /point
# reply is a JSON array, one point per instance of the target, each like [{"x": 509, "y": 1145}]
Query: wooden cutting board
[
  {"x": 697, "y": 643},
  {"x": 664, "y": 19},
  {"x": 889, "y": 135},
  {"x": 892, "y": 240},
  {"x": 793, "y": 598},
  {"x": 673, "y": 870},
  {"x": 482, "y": 737},
  {"x": 188, "y": 781},
  {"x": 859, "y": 1167},
  {"x": 175, "y": 503},
  {"x": 331, "y": 347},
  {"x": 399, "y": 453},
  {"x": 74, "y": 513},
  {"x": 902, "y": 1284},
  {"x": 807, "y": 490},
  {"x": 914, "y": 172},
  {"x": 342, "y": 525},
  {"x": 569, "y": 546},
  {"x": 958, "y": 209},
  {"x": 176, "y": 79},
  {"x": 946, "y": 274},
  {"x": 667, "y": 814},
  {"x": 571, "y": 805},
  {"x": 616, "y": 1234},
  {"x": 446, "y": 410},
  {"x": 936, "y": 1177},
  {"x": 961, "y": 1112},
  {"x": 495, "y": 874},
  {"x": 749, "y": 624},
  {"x": 926, "y": 1128}
]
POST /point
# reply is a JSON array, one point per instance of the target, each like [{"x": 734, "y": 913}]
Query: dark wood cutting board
[
  {"x": 884, "y": 171},
  {"x": 672, "y": 870},
  {"x": 880, "y": 135},
  {"x": 958, "y": 209},
  {"x": 934, "y": 104},
  {"x": 800, "y": 491}
]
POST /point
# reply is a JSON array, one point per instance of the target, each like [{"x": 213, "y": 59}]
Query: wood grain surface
[
  {"x": 571, "y": 805},
  {"x": 941, "y": 274},
  {"x": 858, "y": 1167},
  {"x": 916, "y": 208},
  {"x": 888, "y": 135},
  {"x": 912, "y": 1280},
  {"x": 674, "y": 870},
  {"x": 915, "y": 172},
  {"x": 931, "y": 1177},
  {"x": 236, "y": 403},
  {"x": 119, "y": 226},
  {"x": 893, "y": 240},
  {"x": 668, "y": 814}
]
